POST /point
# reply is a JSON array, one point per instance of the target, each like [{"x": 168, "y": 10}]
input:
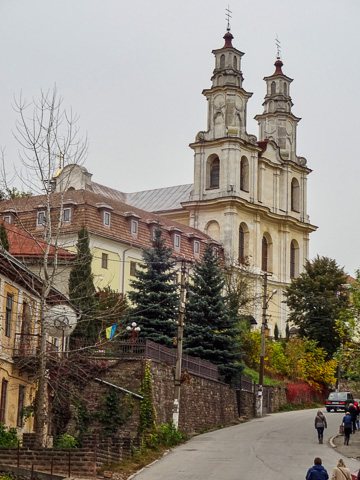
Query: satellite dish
[{"x": 60, "y": 321}]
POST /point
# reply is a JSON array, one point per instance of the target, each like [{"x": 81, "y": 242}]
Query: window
[
  {"x": 285, "y": 89},
  {"x": 241, "y": 244},
  {"x": 132, "y": 268},
  {"x": 264, "y": 254},
  {"x": 294, "y": 259},
  {"x": 134, "y": 227},
  {"x": 273, "y": 88},
  {"x": 295, "y": 195},
  {"x": 67, "y": 214},
  {"x": 244, "y": 174},
  {"x": 41, "y": 218},
  {"x": 177, "y": 240},
  {"x": 215, "y": 173},
  {"x": 196, "y": 248},
  {"x": 235, "y": 63},
  {"x": 222, "y": 61},
  {"x": 107, "y": 219},
  {"x": 8, "y": 314},
  {"x": 21, "y": 404},
  {"x": 7, "y": 218},
  {"x": 104, "y": 260},
  {"x": 4, "y": 385}
]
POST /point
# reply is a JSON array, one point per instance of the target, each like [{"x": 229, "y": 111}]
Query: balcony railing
[{"x": 28, "y": 345}]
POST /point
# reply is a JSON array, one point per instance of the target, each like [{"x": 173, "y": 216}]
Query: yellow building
[{"x": 19, "y": 340}]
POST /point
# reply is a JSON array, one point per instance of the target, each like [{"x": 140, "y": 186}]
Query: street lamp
[
  {"x": 266, "y": 301},
  {"x": 135, "y": 330}
]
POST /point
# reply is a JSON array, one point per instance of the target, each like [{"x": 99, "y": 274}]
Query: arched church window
[
  {"x": 294, "y": 259},
  {"x": 222, "y": 61},
  {"x": 273, "y": 88},
  {"x": 264, "y": 254},
  {"x": 243, "y": 243},
  {"x": 285, "y": 89},
  {"x": 235, "y": 63},
  {"x": 215, "y": 173},
  {"x": 295, "y": 195},
  {"x": 244, "y": 174}
]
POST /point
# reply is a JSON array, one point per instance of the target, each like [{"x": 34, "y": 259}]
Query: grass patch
[{"x": 254, "y": 375}]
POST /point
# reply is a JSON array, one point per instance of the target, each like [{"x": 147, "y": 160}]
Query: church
[{"x": 249, "y": 194}]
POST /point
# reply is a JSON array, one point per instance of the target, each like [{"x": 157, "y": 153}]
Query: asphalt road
[{"x": 275, "y": 447}]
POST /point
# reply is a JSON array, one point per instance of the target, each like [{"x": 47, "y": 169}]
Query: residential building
[
  {"x": 118, "y": 232},
  {"x": 20, "y": 293}
]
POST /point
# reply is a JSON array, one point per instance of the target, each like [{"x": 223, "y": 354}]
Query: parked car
[{"x": 339, "y": 401}]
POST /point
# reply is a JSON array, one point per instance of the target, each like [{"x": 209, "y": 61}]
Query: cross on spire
[
  {"x": 227, "y": 17},
  {"x": 278, "y": 47}
]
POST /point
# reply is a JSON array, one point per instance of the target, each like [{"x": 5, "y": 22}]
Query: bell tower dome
[{"x": 277, "y": 122}]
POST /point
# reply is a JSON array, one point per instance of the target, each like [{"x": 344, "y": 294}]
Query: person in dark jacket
[
  {"x": 353, "y": 413},
  {"x": 320, "y": 424},
  {"x": 347, "y": 422},
  {"x": 317, "y": 472}
]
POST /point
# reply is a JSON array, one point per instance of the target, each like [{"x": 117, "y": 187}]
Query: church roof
[
  {"x": 156, "y": 200},
  {"x": 160, "y": 199}
]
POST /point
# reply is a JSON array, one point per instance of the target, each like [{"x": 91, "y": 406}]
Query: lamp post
[
  {"x": 266, "y": 301},
  {"x": 135, "y": 330}
]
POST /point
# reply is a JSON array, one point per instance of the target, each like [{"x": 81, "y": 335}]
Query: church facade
[{"x": 250, "y": 194}]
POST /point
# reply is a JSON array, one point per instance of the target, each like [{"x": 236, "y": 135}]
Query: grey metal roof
[{"x": 159, "y": 199}]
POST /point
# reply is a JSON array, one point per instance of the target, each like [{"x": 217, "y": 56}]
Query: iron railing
[{"x": 28, "y": 345}]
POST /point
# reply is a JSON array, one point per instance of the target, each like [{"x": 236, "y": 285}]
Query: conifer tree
[
  {"x": 81, "y": 289},
  {"x": 155, "y": 295},
  {"x": 209, "y": 332},
  {"x": 4, "y": 241}
]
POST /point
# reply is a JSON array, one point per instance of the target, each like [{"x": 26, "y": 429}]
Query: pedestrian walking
[
  {"x": 340, "y": 472},
  {"x": 320, "y": 424},
  {"x": 347, "y": 422},
  {"x": 353, "y": 413},
  {"x": 356, "y": 405},
  {"x": 317, "y": 472}
]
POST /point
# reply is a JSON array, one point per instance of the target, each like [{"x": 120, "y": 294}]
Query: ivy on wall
[
  {"x": 147, "y": 409},
  {"x": 112, "y": 413}
]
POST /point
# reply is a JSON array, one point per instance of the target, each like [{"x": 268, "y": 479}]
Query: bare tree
[{"x": 49, "y": 139}]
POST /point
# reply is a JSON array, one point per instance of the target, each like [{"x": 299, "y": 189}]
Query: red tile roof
[
  {"x": 87, "y": 208},
  {"x": 24, "y": 245}
]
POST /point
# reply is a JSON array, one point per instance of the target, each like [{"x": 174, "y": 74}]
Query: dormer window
[
  {"x": 153, "y": 225},
  {"x": 134, "y": 227},
  {"x": 177, "y": 240},
  {"x": 105, "y": 213},
  {"x": 175, "y": 234},
  {"x": 7, "y": 218},
  {"x": 67, "y": 215},
  {"x": 41, "y": 218},
  {"x": 106, "y": 219},
  {"x": 196, "y": 248}
]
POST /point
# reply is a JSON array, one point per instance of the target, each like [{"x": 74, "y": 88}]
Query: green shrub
[
  {"x": 8, "y": 437},
  {"x": 65, "y": 441},
  {"x": 169, "y": 436},
  {"x": 6, "y": 476}
]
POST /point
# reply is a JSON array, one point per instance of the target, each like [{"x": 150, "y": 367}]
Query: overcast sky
[{"x": 134, "y": 72}]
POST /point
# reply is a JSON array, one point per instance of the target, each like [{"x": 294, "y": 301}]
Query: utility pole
[
  {"x": 180, "y": 332},
  {"x": 266, "y": 301},
  {"x": 262, "y": 349}
]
